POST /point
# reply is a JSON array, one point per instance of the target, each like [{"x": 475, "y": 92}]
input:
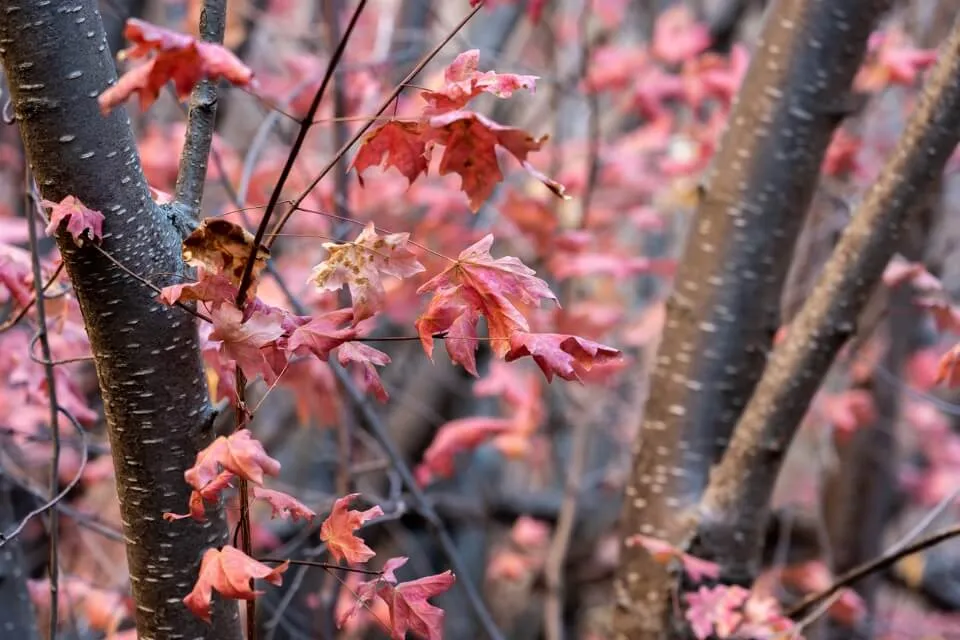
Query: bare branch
[{"x": 192, "y": 173}]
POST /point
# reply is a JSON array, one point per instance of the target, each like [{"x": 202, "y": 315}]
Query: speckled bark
[
  {"x": 148, "y": 363},
  {"x": 724, "y": 310},
  {"x": 736, "y": 504}
]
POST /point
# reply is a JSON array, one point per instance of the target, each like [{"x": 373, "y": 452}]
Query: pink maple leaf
[{"x": 79, "y": 219}]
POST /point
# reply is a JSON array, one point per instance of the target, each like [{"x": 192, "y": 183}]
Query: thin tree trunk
[
  {"x": 147, "y": 358},
  {"x": 724, "y": 311}
]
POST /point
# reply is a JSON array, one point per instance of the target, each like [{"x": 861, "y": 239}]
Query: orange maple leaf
[
  {"x": 231, "y": 572},
  {"x": 337, "y": 531},
  {"x": 360, "y": 265}
]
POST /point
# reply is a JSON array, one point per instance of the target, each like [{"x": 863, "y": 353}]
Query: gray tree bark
[
  {"x": 724, "y": 311},
  {"x": 147, "y": 357}
]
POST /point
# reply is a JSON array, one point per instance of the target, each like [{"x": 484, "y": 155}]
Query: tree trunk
[
  {"x": 724, "y": 311},
  {"x": 147, "y": 358}
]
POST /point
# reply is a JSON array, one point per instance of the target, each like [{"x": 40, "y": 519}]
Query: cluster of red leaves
[
  {"x": 261, "y": 339},
  {"x": 178, "y": 58},
  {"x": 723, "y": 611},
  {"x": 470, "y": 139},
  {"x": 230, "y": 572},
  {"x": 726, "y": 611}
]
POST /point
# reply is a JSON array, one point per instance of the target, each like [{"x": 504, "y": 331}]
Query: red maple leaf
[
  {"x": 563, "y": 355},
  {"x": 251, "y": 342},
  {"x": 403, "y": 144},
  {"x": 360, "y": 265},
  {"x": 368, "y": 359},
  {"x": 80, "y": 219},
  {"x": 322, "y": 334},
  {"x": 178, "y": 57},
  {"x": 455, "y": 437},
  {"x": 471, "y": 141},
  {"x": 231, "y": 572},
  {"x": 214, "y": 289},
  {"x": 337, "y": 531},
  {"x": 406, "y": 601},
  {"x": 464, "y": 81},
  {"x": 284, "y": 505},
  {"x": 239, "y": 453},
  {"x": 477, "y": 284}
]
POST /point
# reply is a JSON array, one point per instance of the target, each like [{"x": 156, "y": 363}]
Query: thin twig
[
  {"x": 53, "y": 562},
  {"x": 247, "y": 279},
  {"x": 147, "y": 283},
  {"x": 26, "y": 308},
  {"x": 324, "y": 565},
  {"x": 7, "y": 536},
  {"x": 363, "y": 130},
  {"x": 419, "y": 499},
  {"x": 192, "y": 172},
  {"x": 878, "y": 564}
]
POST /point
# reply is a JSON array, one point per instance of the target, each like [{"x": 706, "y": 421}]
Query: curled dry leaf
[
  {"x": 223, "y": 248},
  {"x": 230, "y": 572},
  {"x": 337, "y": 531}
]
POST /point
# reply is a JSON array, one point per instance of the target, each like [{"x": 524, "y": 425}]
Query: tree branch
[
  {"x": 735, "y": 506},
  {"x": 192, "y": 172},
  {"x": 724, "y": 310}
]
